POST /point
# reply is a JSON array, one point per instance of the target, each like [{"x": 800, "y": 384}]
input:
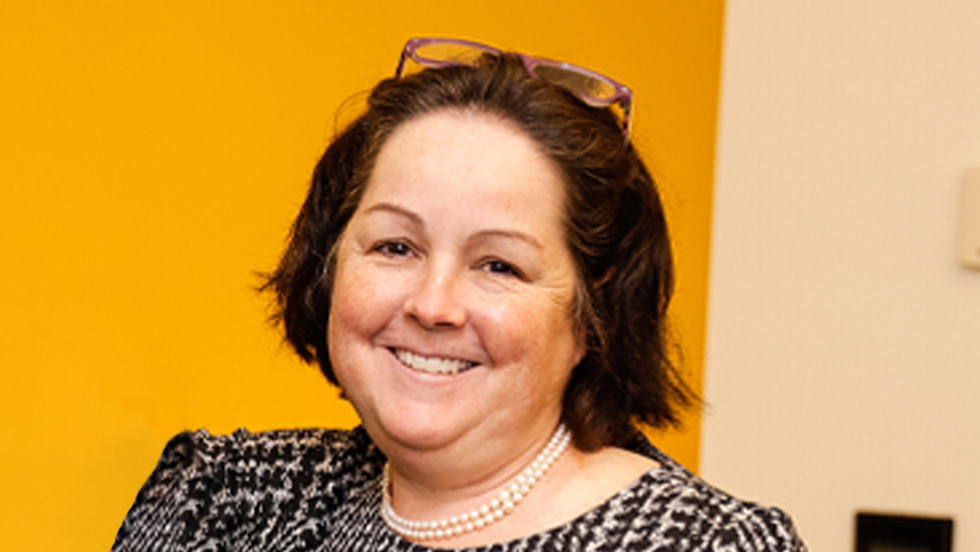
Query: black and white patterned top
[{"x": 319, "y": 490}]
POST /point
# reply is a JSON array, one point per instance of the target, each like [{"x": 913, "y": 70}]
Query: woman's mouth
[{"x": 432, "y": 365}]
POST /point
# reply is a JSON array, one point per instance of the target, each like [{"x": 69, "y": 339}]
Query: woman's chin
[{"x": 417, "y": 434}]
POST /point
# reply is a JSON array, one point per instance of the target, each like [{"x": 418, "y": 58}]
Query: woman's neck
[
  {"x": 443, "y": 483},
  {"x": 487, "y": 514}
]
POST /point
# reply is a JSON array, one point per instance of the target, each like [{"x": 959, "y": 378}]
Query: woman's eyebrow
[
  {"x": 488, "y": 234},
  {"x": 480, "y": 236},
  {"x": 395, "y": 209}
]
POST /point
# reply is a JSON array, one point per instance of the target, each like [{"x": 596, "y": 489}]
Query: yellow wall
[{"x": 152, "y": 155}]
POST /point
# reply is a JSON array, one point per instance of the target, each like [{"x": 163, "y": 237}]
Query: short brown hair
[{"x": 615, "y": 230}]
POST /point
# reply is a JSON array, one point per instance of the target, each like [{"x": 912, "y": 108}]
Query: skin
[{"x": 457, "y": 253}]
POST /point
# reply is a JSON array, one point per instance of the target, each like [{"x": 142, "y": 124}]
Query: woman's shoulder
[
  {"x": 709, "y": 518},
  {"x": 295, "y": 451},
  {"x": 269, "y": 460},
  {"x": 321, "y": 447},
  {"x": 218, "y": 488},
  {"x": 692, "y": 514}
]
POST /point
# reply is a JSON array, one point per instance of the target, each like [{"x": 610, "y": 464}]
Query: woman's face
[{"x": 450, "y": 323}]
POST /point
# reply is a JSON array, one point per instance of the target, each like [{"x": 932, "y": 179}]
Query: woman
[{"x": 482, "y": 265}]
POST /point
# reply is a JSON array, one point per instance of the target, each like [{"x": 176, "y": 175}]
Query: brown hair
[{"x": 615, "y": 228}]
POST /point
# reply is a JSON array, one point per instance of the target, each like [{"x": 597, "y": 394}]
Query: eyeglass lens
[{"x": 450, "y": 52}]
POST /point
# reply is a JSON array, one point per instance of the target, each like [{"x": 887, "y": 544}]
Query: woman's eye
[
  {"x": 393, "y": 248},
  {"x": 503, "y": 267}
]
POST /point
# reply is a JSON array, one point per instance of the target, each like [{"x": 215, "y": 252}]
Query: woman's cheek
[
  {"x": 360, "y": 301},
  {"x": 507, "y": 327}
]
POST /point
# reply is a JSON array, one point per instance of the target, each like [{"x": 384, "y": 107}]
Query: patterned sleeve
[
  {"x": 758, "y": 529},
  {"x": 171, "y": 503}
]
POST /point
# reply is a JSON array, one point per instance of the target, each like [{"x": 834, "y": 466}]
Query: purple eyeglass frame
[{"x": 622, "y": 96}]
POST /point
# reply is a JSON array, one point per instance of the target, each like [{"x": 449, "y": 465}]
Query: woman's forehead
[{"x": 477, "y": 155}]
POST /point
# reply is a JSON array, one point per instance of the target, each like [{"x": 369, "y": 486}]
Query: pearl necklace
[{"x": 479, "y": 518}]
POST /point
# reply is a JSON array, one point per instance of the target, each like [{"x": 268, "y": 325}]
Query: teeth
[{"x": 432, "y": 365}]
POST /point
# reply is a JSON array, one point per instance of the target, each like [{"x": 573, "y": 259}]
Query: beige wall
[{"x": 843, "y": 359}]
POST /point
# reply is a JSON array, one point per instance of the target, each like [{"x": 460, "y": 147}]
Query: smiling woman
[
  {"x": 482, "y": 265},
  {"x": 451, "y": 321}
]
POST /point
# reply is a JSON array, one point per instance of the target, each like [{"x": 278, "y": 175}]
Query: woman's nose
[{"x": 434, "y": 300}]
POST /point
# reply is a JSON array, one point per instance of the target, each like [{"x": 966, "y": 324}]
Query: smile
[{"x": 432, "y": 365}]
